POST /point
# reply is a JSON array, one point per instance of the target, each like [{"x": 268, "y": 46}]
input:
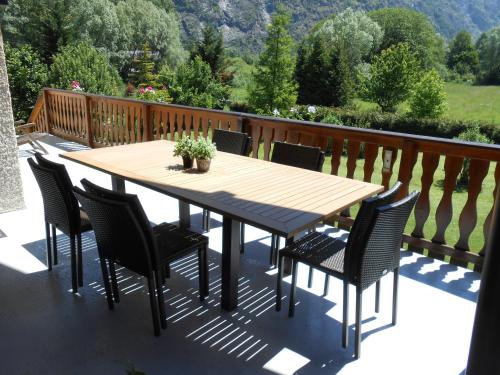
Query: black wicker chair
[
  {"x": 234, "y": 143},
  {"x": 61, "y": 211},
  {"x": 372, "y": 250},
  {"x": 125, "y": 237},
  {"x": 299, "y": 156}
]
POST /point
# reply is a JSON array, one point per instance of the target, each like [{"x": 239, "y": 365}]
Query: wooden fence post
[
  {"x": 88, "y": 122},
  {"x": 46, "y": 105},
  {"x": 148, "y": 131}
]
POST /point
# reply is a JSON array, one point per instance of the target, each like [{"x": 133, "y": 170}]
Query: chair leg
[
  {"x": 377, "y": 297},
  {"x": 114, "y": 283},
  {"x": 345, "y": 315},
  {"x": 54, "y": 244},
  {"x": 154, "y": 305},
  {"x": 105, "y": 280},
  {"x": 327, "y": 285},
  {"x": 278, "y": 283},
  {"x": 161, "y": 302},
  {"x": 242, "y": 238},
  {"x": 357, "y": 334},
  {"x": 74, "y": 271},
  {"x": 310, "y": 278},
  {"x": 291, "y": 307},
  {"x": 49, "y": 248},
  {"x": 80, "y": 259},
  {"x": 395, "y": 297}
]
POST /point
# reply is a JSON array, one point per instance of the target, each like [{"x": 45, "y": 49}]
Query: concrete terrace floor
[{"x": 45, "y": 329}]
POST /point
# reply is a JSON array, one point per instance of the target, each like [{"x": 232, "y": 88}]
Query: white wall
[{"x": 11, "y": 188}]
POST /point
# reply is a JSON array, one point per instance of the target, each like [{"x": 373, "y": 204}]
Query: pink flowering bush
[
  {"x": 75, "y": 86},
  {"x": 152, "y": 95}
]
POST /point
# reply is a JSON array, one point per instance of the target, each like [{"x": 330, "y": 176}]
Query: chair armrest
[{"x": 26, "y": 128}]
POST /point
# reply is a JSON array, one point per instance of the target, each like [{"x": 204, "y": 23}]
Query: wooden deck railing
[{"x": 105, "y": 121}]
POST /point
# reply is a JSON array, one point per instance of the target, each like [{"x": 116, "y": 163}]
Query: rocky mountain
[{"x": 244, "y": 21}]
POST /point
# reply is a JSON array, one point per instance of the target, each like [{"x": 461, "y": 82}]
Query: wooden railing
[{"x": 105, "y": 121}]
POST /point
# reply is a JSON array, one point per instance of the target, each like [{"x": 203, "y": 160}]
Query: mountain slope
[{"x": 244, "y": 21}]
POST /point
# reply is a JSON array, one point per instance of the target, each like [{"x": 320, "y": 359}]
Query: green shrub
[
  {"x": 393, "y": 75},
  {"x": 428, "y": 97},
  {"x": 472, "y": 134},
  {"x": 204, "y": 149},
  {"x": 195, "y": 86},
  {"x": 83, "y": 63},
  {"x": 27, "y": 76}
]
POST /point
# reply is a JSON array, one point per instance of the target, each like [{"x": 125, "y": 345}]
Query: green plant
[
  {"x": 204, "y": 149},
  {"x": 273, "y": 87},
  {"x": 142, "y": 73},
  {"x": 91, "y": 68},
  {"x": 472, "y": 134},
  {"x": 185, "y": 147},
  {"x": 463, "y": 57},
  {"x": 393, "y": 75},
  {"x": 428, "y": 97},
  {"x": 27, "y": 76},
  {"x": 152, "y": 95},
  {"x": 195, "y": 86}
]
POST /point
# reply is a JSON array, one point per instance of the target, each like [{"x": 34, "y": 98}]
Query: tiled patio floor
[{"x": 47, "y": 330}]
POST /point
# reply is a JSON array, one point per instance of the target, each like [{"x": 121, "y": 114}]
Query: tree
[
  {"x": 27, "y": 76},
  {"x": 354, "y": 31},
  {"x": 97, "y": 23},
  {"x": 83, "y": 63},
  {"x": 142, "y": 21},
  {"x": 312, "y": 72},
  {"x": 488, "y": 47},
  {"x": 143, "y": 68},
  {"x": 393, "y": 75},
  {"x": 402, "y": 25},
  {"x": 211, "y": 49},
  {"x": 323, "y": 75},
  {"x": 341, "y": 78},
  {"x": 463, "y": 57},
  {"x": 428, "y": 98},
  {"x": 274, "y": 87},
  {"x": 194, "y": 85},
  {"x": 44, "y": 24}
]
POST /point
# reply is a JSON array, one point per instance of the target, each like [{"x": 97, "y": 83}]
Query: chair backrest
[
  {"x": 118, "y": 233},
  {"x": 299, "y": 156},
  {"x": 361, "y": 223},
  {"x": 229, "y": 141},
  {"x": 131, "y": 199},
  {"x": 60, "y": 205},
  {"x": 382, "y": 241}
]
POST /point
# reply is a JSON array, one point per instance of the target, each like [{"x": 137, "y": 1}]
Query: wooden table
[{"x": 277, "y": 198}]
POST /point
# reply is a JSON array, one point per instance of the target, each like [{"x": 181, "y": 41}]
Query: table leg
[
  {"x": 287, "y": 262},
  {"x": 118, "y": 184},
  {"x": 230, "y": 263},
  {"x": 184, "y": 214}
]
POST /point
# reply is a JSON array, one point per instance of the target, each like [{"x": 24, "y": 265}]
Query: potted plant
[
  {"x": 204, "y": 152},
  {"x": 184, "y": 148}
]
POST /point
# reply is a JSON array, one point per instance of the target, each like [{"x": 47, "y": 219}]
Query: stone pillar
[{"x": 11, "y": 187}]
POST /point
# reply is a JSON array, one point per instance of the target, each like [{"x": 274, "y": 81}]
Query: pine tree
[
  {"x": 274, "y": 87},
  {"x": 313, "y": 73},
  {"x": 463, "y": 57},
  {"x": 211, "y": 49},
  {"x": 142, "y": 74},
  {"x": 341, "y": 78}
]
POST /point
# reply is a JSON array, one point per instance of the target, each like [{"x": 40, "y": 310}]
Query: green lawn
[{"x": 465, "y": 102}]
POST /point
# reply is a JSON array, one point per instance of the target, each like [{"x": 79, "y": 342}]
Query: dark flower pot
[
  {"x": 187, "y": 162},
  {"x": 203, "y": 165}
]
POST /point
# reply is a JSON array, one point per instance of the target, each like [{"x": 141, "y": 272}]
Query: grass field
[{"x": 465, "y": 102}]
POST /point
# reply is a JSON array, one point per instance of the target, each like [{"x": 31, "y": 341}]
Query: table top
[{"x": 281, "y": 199}]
